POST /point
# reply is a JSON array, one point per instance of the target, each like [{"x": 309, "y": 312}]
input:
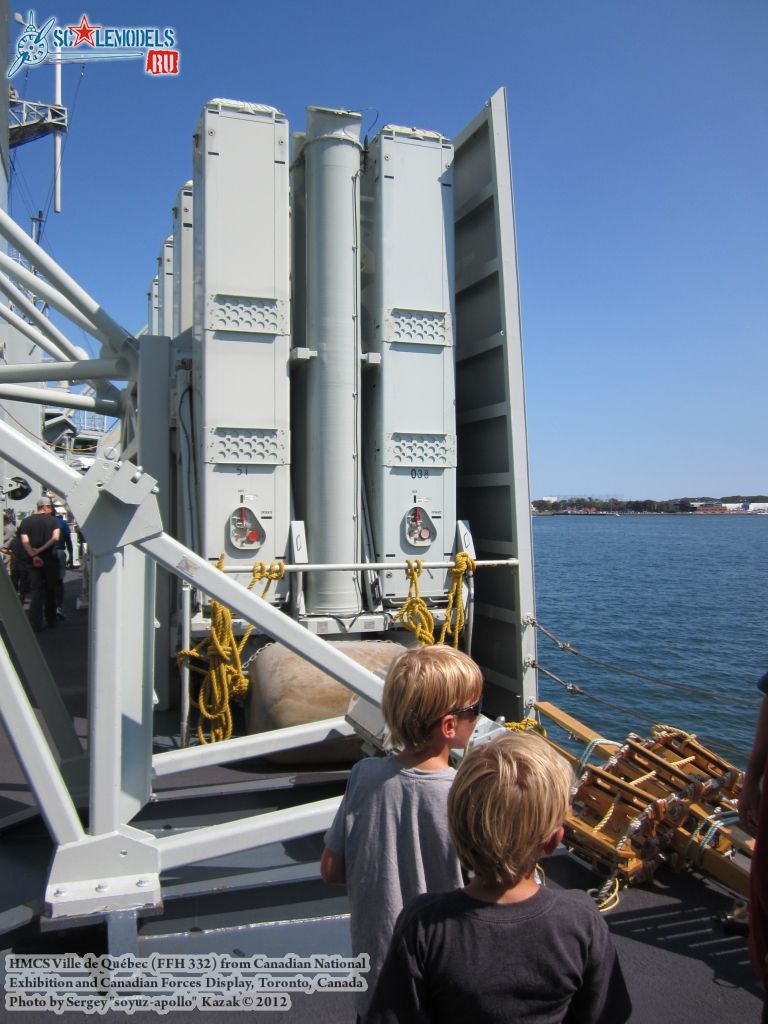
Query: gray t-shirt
[{"x": 392, "y": 831}]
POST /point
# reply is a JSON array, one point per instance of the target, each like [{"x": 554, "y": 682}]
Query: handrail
[{"x": 486, "y": 563}]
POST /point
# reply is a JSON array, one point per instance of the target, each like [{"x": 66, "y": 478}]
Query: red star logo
[{"x": 83, "y": 32}]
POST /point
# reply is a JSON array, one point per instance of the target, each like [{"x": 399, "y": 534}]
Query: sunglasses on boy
[{"x": 472, "y": 710}]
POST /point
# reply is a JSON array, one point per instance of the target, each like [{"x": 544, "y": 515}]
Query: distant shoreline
[{"x": 698, "y": 512}]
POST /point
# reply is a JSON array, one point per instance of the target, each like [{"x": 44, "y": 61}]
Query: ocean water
[{"x": 680, "y": 597}]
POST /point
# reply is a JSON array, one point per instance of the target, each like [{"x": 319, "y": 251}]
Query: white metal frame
[
  {"x": 116, "y": 505},
  {"x": 112, "y": 868}
]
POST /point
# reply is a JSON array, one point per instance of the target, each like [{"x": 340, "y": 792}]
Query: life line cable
[
  {"x": 572, "y": 688},
  {"x": 223, "y": 678},
  {"x": 49, "y": 444},
  {"x": 682, "y": 687}
]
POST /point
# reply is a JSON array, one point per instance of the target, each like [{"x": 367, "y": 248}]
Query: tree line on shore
[{"x": 671, "y": 505}]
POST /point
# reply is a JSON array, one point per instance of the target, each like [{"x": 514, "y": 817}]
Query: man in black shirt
[{"x": 39, "y": 535}]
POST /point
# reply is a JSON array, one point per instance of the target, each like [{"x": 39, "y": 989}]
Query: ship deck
[{"x": 681, "y": 967}]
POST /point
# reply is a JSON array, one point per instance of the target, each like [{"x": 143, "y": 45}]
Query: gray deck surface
[{"x": 680, "y": 967}]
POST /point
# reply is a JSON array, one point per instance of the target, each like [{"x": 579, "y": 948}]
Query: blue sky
[{"x": 639, "y": 137}]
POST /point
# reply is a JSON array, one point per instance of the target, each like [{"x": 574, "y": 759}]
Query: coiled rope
[
  {"x": 710, "y": 826},
  {"x": 524, "y": 725},
  {"x": 415, "y": 614},
  {"x": 598, "y": 741},
  {"x": 660, "y": 729},
  {"x": 454, "y": 613},
  {"x": 223, "y": 679}
]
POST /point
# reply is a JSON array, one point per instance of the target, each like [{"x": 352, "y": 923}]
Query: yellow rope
[
  {"x": 643, "y": 778},
  {"x": 223, "y": 677},
  {"x": 607, "y": 816},
  {"x": 659, "y": 729},
  {"x": 684, "y": 760},
  {"x": 462, "y": 565},
  {"x": 607, "y": 897},
  {"x": 524, "y": 725},
  {"x": 415, "y": 615}
]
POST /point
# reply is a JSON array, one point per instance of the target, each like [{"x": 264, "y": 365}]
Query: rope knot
[
  {"x": 220, "y": 654},
  {"x": 414, "y": 614}
]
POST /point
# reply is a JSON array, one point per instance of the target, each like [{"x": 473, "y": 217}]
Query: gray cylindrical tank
[{"x": 332, "y": 159}]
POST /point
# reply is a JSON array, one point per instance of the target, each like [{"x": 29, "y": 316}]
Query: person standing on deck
[
  {"x": 39, "y": 534},
  {"x": 64, "y": 555},
  {"x": 19, "y": 568},
  {"x": 9, "y": 532},
  {"x": 753, "y": 814}
]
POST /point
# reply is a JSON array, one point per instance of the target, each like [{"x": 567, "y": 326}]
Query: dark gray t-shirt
[
  {"x": 392, "y": 831},
  {"x": 547, "y": 960}
]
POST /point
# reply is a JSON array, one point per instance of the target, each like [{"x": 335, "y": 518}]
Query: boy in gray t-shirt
[{"x": 389, "y": 841}]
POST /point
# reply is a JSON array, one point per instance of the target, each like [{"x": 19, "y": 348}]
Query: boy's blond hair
[
  {"x": 509, "y": 797},
  {"x": 424, "y": 684}
]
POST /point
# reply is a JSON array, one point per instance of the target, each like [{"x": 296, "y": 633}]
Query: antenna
[
  {"x": 37, "y": 224},
  {"x": 57, "y": 135},
  {"x": 30, "y": 120}
]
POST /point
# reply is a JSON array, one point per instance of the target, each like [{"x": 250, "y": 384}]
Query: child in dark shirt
[{"x": 504, "y": 948}]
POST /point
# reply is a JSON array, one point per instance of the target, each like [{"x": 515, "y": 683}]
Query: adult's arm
[
  {"x": 749, "y": 800},
  {"x": 33, "y": 552}
]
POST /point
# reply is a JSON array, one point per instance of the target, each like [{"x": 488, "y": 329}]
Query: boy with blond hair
[
  {"x": 504, "y": 948},
  {"x": 389, "y": 840}
]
